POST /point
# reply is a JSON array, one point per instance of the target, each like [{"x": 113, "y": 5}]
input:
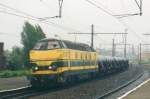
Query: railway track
[
  {"x": 26, "y": 92},
  {"x": 119, "y": 88},
  {"x": 14, "y": 93}
]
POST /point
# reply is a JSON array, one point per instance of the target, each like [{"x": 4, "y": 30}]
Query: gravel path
[
  {"x": 92, "y": 89},
  {"x": 14, "y": 82}
]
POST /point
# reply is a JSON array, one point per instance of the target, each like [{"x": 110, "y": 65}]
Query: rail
[{"x": 119, "y": 88}]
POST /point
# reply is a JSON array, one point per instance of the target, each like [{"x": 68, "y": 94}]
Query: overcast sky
[{"x": 77, "y": 16}]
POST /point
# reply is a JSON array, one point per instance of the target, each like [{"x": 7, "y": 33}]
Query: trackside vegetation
[
  {"x": 14, "y": 73},
  {"x": 29, "y": 36},
  {"x": 17, "y": 58}
]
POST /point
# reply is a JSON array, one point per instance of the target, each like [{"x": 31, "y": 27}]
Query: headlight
[
  {"x": 52, "y": 67},
  {"x": 36, "y": 68}
]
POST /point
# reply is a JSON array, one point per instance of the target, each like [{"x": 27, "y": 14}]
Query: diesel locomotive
[
  {"x": 61, "y": 61},
  {"x": 56, "y": 60}
]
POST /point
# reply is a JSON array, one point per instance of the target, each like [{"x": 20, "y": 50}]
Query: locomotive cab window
[
  {"x": 47, "y": 45},
  {"x": 40, "y": 46},
  {"x": 53, "y": 45}
]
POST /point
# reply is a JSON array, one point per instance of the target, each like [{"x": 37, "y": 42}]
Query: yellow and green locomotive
[{"x": 56, "y": 60}]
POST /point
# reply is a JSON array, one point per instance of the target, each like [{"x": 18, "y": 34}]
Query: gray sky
[{"x": 78, "y": 15}]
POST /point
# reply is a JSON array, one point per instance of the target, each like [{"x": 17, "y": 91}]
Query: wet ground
[
  {"x": 121, "y": 92},
  {"x": 95, "y": 88},
  {"x": 142, "y": 92}
]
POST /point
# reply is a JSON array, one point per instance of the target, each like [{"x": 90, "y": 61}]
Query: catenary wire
[
  {"x": 124, "y": 24},
  {"x": 31, "y": 17}
]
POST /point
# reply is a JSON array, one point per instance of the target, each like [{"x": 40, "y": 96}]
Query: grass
[
  {"x": 16, "y": 73},
  {"x": 145, "y": 62}
]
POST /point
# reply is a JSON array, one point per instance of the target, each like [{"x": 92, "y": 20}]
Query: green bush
[{"x": 8, "y": 73}]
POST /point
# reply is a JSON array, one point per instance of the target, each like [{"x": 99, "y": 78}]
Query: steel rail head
[{"x": 16, "y": 89}]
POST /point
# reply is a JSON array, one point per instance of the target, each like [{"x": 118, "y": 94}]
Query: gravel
[
  {"x": 131, "y": 86},
  {"x": 13, "y": 82}
]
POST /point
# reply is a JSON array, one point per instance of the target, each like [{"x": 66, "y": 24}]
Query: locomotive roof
[
  {"x": 50, "y": 39},
  {"x": 71, "y": 42}
]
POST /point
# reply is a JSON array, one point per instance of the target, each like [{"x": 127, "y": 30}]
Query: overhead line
[
  {"x": 16, "y": 10},
  {"x": 31, "y": 17},
  {"x": 103, "y": 6},
  {"x": 48, "y": 22},
  {"x": 116, "y": 16},
  {"x": 34, "y": 19},
  {"x": 98, "y": 33},
  {"x": 137, "y": 4},
  {"x": 56, "y": 16},
  {"x": 102, "y": 9},
  {"x": 16, "y": 15},
  {"x": 99, "y": 7},
  {"x": 125, "y": 25}
]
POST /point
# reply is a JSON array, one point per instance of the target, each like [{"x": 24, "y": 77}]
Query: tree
[
  {"x": 14, "y": 58},
  {"x": 29, "y": 36}
]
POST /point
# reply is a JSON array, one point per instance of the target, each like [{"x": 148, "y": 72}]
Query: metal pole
[
  {"x": 140, "y": 49},
  {"x": 125, "y": 45},
  {"x": 133, "y": 53},
  {"x": 138, "y": 54},
  {"x": 113, "y": 47},
  {"x": 140, "y": 7},
  {"x": 92, "y": 36},
  {"x": 60, "y": 8}
]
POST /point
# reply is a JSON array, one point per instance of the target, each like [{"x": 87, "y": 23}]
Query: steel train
[
  {"x": 109, "y": 64},
  {"x": 61, "y": 61}
]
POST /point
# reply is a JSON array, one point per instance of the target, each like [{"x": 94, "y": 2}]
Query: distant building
[
  {"x": 146, "y": 55},
  {"x": 2, "y": 57}
]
